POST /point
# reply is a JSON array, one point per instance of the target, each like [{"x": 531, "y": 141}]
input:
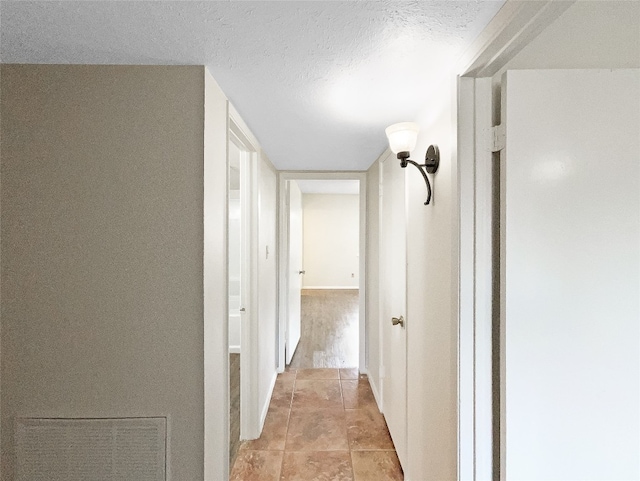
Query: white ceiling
[
  {"x": 317, "y": 82},
  {"x": 329, "y": 186}
]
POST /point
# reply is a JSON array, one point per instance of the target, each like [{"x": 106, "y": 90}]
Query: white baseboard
[
  {"x": 376, "y": 394},
  {"x": 265, "y": 407},
  {"x": 355, "y": 288},
  {"x": 234, "y": 349}
]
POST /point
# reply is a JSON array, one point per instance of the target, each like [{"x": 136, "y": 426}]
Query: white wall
[
  {"x": 267, "y": 282},
  {"x": 373, "y": 283},
  {"x": 235, "y": 252},
  {"x": 431, "y": 296},
  {"x": 331, "y": 240},
  {"x": 588, "y": 35},
  {"x": 215, "y": 283},
  {"x": 102, "y": 254},
  {"x": 431, "y": 302},
  {"x": 571, "y": 366},
  {"x": 235, "y": 270}
]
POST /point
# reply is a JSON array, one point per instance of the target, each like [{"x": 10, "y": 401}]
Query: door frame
[
  {"x": 289, "y": 348},
  {"x": 242, "y": 137},
  {"x": 512, "y": 29},
  {"x": 283, "y": 246}
]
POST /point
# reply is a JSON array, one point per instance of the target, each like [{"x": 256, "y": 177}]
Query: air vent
[{"x": 123, "y": 449}]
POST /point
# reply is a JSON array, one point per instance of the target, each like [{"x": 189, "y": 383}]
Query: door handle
[
  {"x": 302, "y": 272},
  {"x": 242, "y": 309},
  {"x": 397, "y": 320}
]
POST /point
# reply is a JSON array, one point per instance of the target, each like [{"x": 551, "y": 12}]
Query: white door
[
  {"x": 570, "y": 257},
  {"x": 295, "y": 269},
  {"x": 393, "y": 283}
]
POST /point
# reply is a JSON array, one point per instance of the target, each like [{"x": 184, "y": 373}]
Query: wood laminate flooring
[
  {"x": 234, "y": 406},
  {"x": 329, "y": 329}
]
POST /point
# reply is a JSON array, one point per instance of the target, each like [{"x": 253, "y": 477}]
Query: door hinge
[{"x": 499, "y": 141}]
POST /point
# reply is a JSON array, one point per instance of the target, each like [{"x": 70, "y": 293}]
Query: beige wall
[
  {"x": 590, "y": 34},
  {"x": 102, "y": 254},
  {"x": 331, "y": 240}
]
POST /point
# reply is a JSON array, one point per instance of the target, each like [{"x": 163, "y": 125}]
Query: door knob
[
  {"x": 397, "y": 320},
  {"x": 302, "y": 272},
  {"x": 242, "y": 309}
]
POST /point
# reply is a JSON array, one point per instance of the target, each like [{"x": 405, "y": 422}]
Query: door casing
[
  {"x": 515, "y": 25},
  {"x": 283, "y": 249},
  {"x": 239, "y": 134},
  {"x": 295, "y": 268}
]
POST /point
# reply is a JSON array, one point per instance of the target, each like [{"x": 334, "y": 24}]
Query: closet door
[
  {"x": 296, "y": 270},
  {"x": 570, "y": 264},
  {"x": 393, "y": 301}
]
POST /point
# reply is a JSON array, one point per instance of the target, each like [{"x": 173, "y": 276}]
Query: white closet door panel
[
  {"x": 570, "y": 253},
  {"x": 295, "y": 269},
  {"x": 393, "y": 292}
]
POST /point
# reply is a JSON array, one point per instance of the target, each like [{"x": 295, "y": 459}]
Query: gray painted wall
[{"x": 102, "y": 248}]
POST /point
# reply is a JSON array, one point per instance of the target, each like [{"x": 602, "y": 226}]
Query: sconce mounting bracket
[{"x": 432, "y": 159}]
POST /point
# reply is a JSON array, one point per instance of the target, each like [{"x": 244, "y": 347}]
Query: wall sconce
[{"x": 402, "y": 140}]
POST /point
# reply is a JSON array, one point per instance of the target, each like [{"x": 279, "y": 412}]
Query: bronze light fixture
[{"x": 402, "y": 140}]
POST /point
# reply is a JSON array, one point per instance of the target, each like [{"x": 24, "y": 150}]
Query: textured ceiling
[{"x": 317, "y": 82}]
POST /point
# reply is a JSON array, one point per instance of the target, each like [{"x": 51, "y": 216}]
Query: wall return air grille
[{"x": 123, "y": 449}]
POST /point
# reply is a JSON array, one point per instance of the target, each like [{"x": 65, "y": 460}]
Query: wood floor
[
  {"x": 329, "y": 329},
  {"x": 322, "y": 425},
  {"x": 234, "y": 406}
]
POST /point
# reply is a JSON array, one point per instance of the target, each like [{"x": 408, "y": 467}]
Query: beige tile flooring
[{"x": 322, "y": 425}]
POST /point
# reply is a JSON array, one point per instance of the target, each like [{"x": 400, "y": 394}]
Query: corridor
[{"x": 322, "y": 425}]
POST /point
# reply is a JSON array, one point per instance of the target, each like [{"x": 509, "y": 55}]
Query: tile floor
[{"x": 322, "y": 425}]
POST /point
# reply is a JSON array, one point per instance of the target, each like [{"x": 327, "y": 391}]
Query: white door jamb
[
  {"x": 283, "y": 270},
  {"x": 516, "y": 24},
  {"x": 239, "y": 133}
]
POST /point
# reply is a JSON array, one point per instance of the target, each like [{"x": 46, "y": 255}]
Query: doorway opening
[
  {"x": 241, "y": 229},
  {"x": 235, "y": 273},
  {"x": 322, "y": 282}
]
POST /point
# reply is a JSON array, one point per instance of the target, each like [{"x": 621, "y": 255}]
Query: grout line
[
  {"x": 286, "y": 432},
  {"x": 353, "y": 471},
  {"x": 281, "y": 466}
]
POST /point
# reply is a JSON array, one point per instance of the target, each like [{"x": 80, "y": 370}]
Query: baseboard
[
  {"x": 265, "y": 407},
  {"x": 332, "y": 287},
  {"x": 376, "y": 395},
  {"x": 234, "y": 349}
]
